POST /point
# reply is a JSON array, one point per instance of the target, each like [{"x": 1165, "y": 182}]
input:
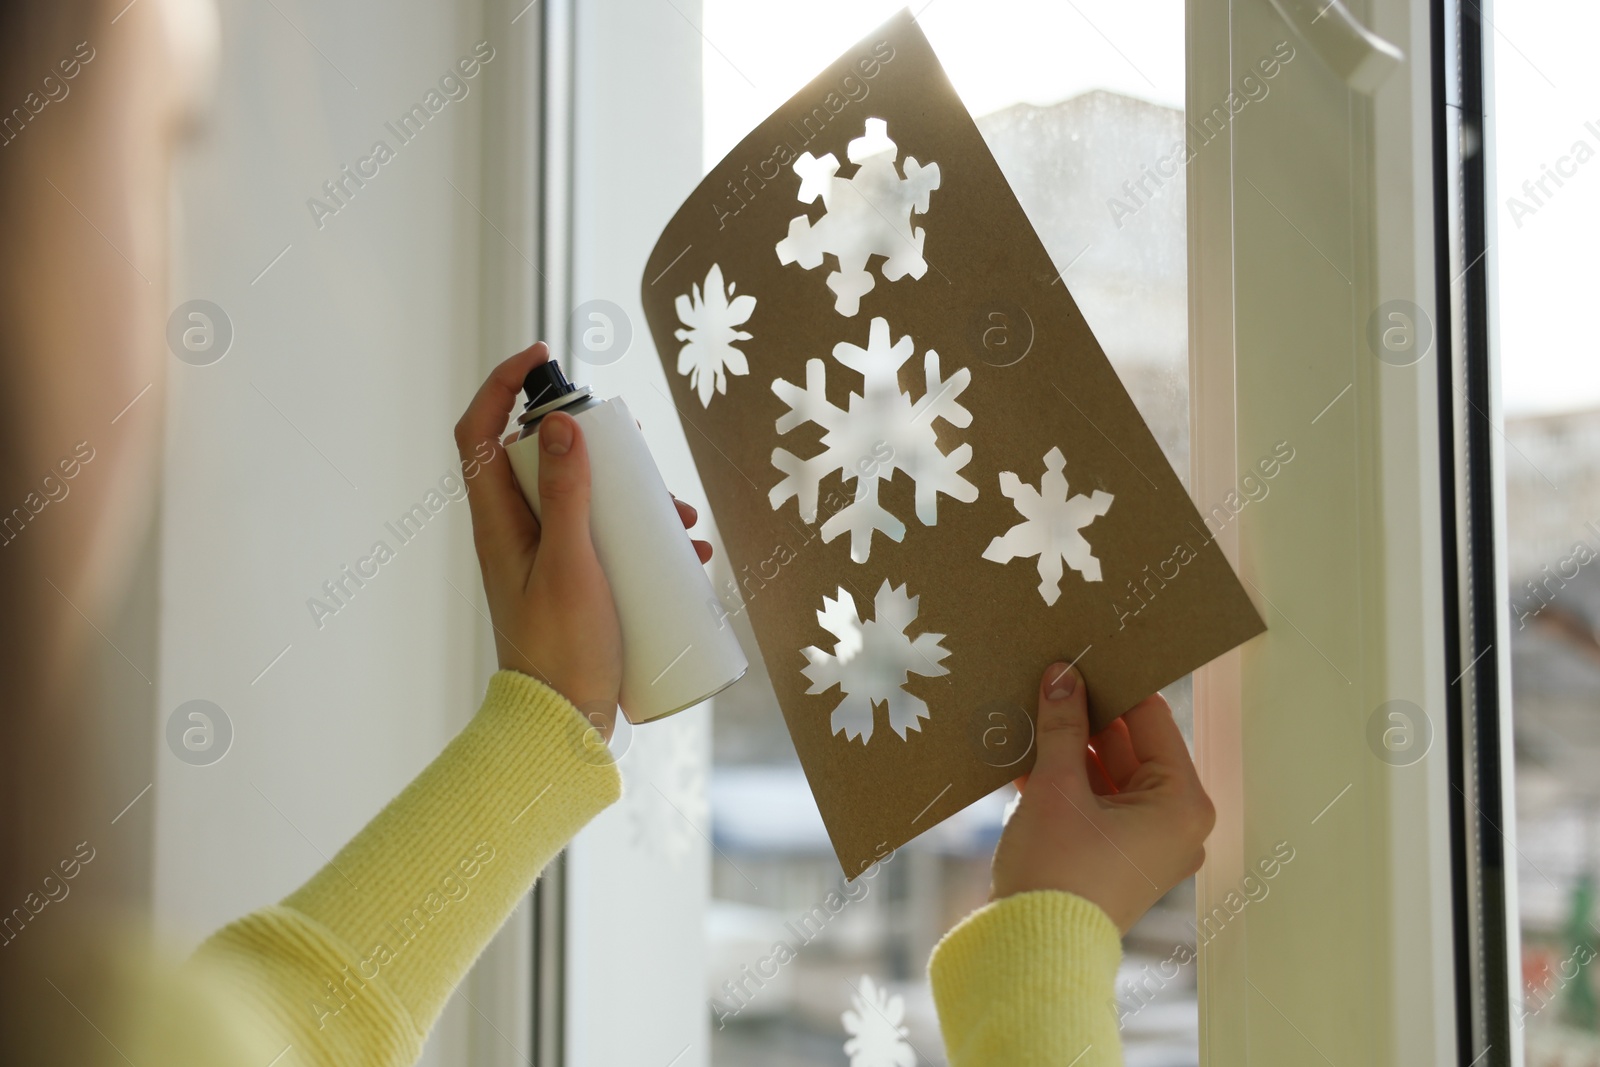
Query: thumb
[
  {"x": 563, "y": 485},
  {"x": 1063, "y": 726}
]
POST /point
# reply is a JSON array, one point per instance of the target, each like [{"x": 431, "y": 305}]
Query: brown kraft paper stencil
[{"x": 796, "y": 316}]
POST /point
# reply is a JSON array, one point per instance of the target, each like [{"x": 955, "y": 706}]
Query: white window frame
[
  {"x": 1365, "y": 950},
  {"x": 1358, "y": 953},
  {"x": 618, "y": 155}
]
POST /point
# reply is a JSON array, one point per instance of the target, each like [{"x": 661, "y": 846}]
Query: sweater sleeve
[
  {"x": 1028, "y": 981},
  {"x": 355, "y": 965}
]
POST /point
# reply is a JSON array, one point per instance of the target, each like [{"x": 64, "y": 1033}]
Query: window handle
[{"x": 1359, "y": 56}]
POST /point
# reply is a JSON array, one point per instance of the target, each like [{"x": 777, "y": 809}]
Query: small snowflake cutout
[
  {"x": 1052, "y": 526},
  {"x": 875, "y": 1023},
  {"x": 879, "y": 432},
  {"x": 868, "y": 214},
  {"x": 871, "y": 662},
  {"x": 711, "y": 318}
]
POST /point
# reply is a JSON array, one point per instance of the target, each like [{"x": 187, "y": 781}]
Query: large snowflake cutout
[
  {"x": 875, "y": 1023},
  {"x": 871, "y": 662},
  {"x": 880, "y": 432},
  {"x": 868, "y": 214},
  {"x": 1051, "y": 528},
  {"x": 712, "y": 318}
]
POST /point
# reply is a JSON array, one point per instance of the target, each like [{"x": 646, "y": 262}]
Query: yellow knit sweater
[
  {"x": 1027, "y": 981},
  {"x": 356, "y": 965}
]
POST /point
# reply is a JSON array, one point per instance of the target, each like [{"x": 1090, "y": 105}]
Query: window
[
  {"x": 1296, "y": 220},
  {"x": 1084, "y": 112},
  {"x": 1547, "y": 213}
]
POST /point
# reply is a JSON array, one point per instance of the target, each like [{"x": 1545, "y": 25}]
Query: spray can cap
[{"x": 547, "y": 389}]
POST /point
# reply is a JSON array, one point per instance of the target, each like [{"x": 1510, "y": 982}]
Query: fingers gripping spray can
[{"x": 676, "y": 651}]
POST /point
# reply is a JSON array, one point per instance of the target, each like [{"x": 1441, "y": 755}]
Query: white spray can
[{"x": 676, "y": 652}]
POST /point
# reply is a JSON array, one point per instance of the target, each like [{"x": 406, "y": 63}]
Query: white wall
[{"x": 331, "y": 414}]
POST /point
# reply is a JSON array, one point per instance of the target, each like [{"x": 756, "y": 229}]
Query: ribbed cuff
[
  {"x": 286, "y": 971},
  {"x": 1029, "y": 979}
]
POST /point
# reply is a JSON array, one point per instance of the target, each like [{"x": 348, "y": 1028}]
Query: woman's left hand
[{"x": 1118, "y": 818}]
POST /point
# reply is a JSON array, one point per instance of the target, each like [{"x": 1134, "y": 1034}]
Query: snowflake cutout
[
  {"x": 871, "y": 661},
  {"x": 875, "y": 1025},
  {"x": 1052, "y": 526},
  {"x": 712, "y": 318},
  {"x": 868, "y": 214},
  {"x": 880, "y": 432}
]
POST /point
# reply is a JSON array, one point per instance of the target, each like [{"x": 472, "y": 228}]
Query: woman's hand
[
  {"x": 549, "y": 601},
  {"x": 1118, "y": 818}
]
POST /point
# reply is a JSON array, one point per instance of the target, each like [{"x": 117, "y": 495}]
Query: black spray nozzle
[{"x": 545, "y": 383}]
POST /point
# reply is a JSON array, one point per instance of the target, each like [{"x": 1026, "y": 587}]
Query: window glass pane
[
  {"x": 1548, "y": 216},
  {"x": 1082, "y": 105}
]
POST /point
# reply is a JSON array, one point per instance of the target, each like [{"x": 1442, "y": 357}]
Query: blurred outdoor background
[{"x": 1546, "y": 94}]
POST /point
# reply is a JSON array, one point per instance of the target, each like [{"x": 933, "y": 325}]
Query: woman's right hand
[
  {"x": 1118, "y": 818},
  {"x": 549, "y": 601}
]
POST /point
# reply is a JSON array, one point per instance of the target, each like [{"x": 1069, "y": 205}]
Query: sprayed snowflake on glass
[
  {"x": 875, "y": 1022},
  {"x": 664, "y": 790}
]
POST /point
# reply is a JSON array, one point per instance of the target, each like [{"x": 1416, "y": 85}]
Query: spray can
[{"x": 675, "y": 651}]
